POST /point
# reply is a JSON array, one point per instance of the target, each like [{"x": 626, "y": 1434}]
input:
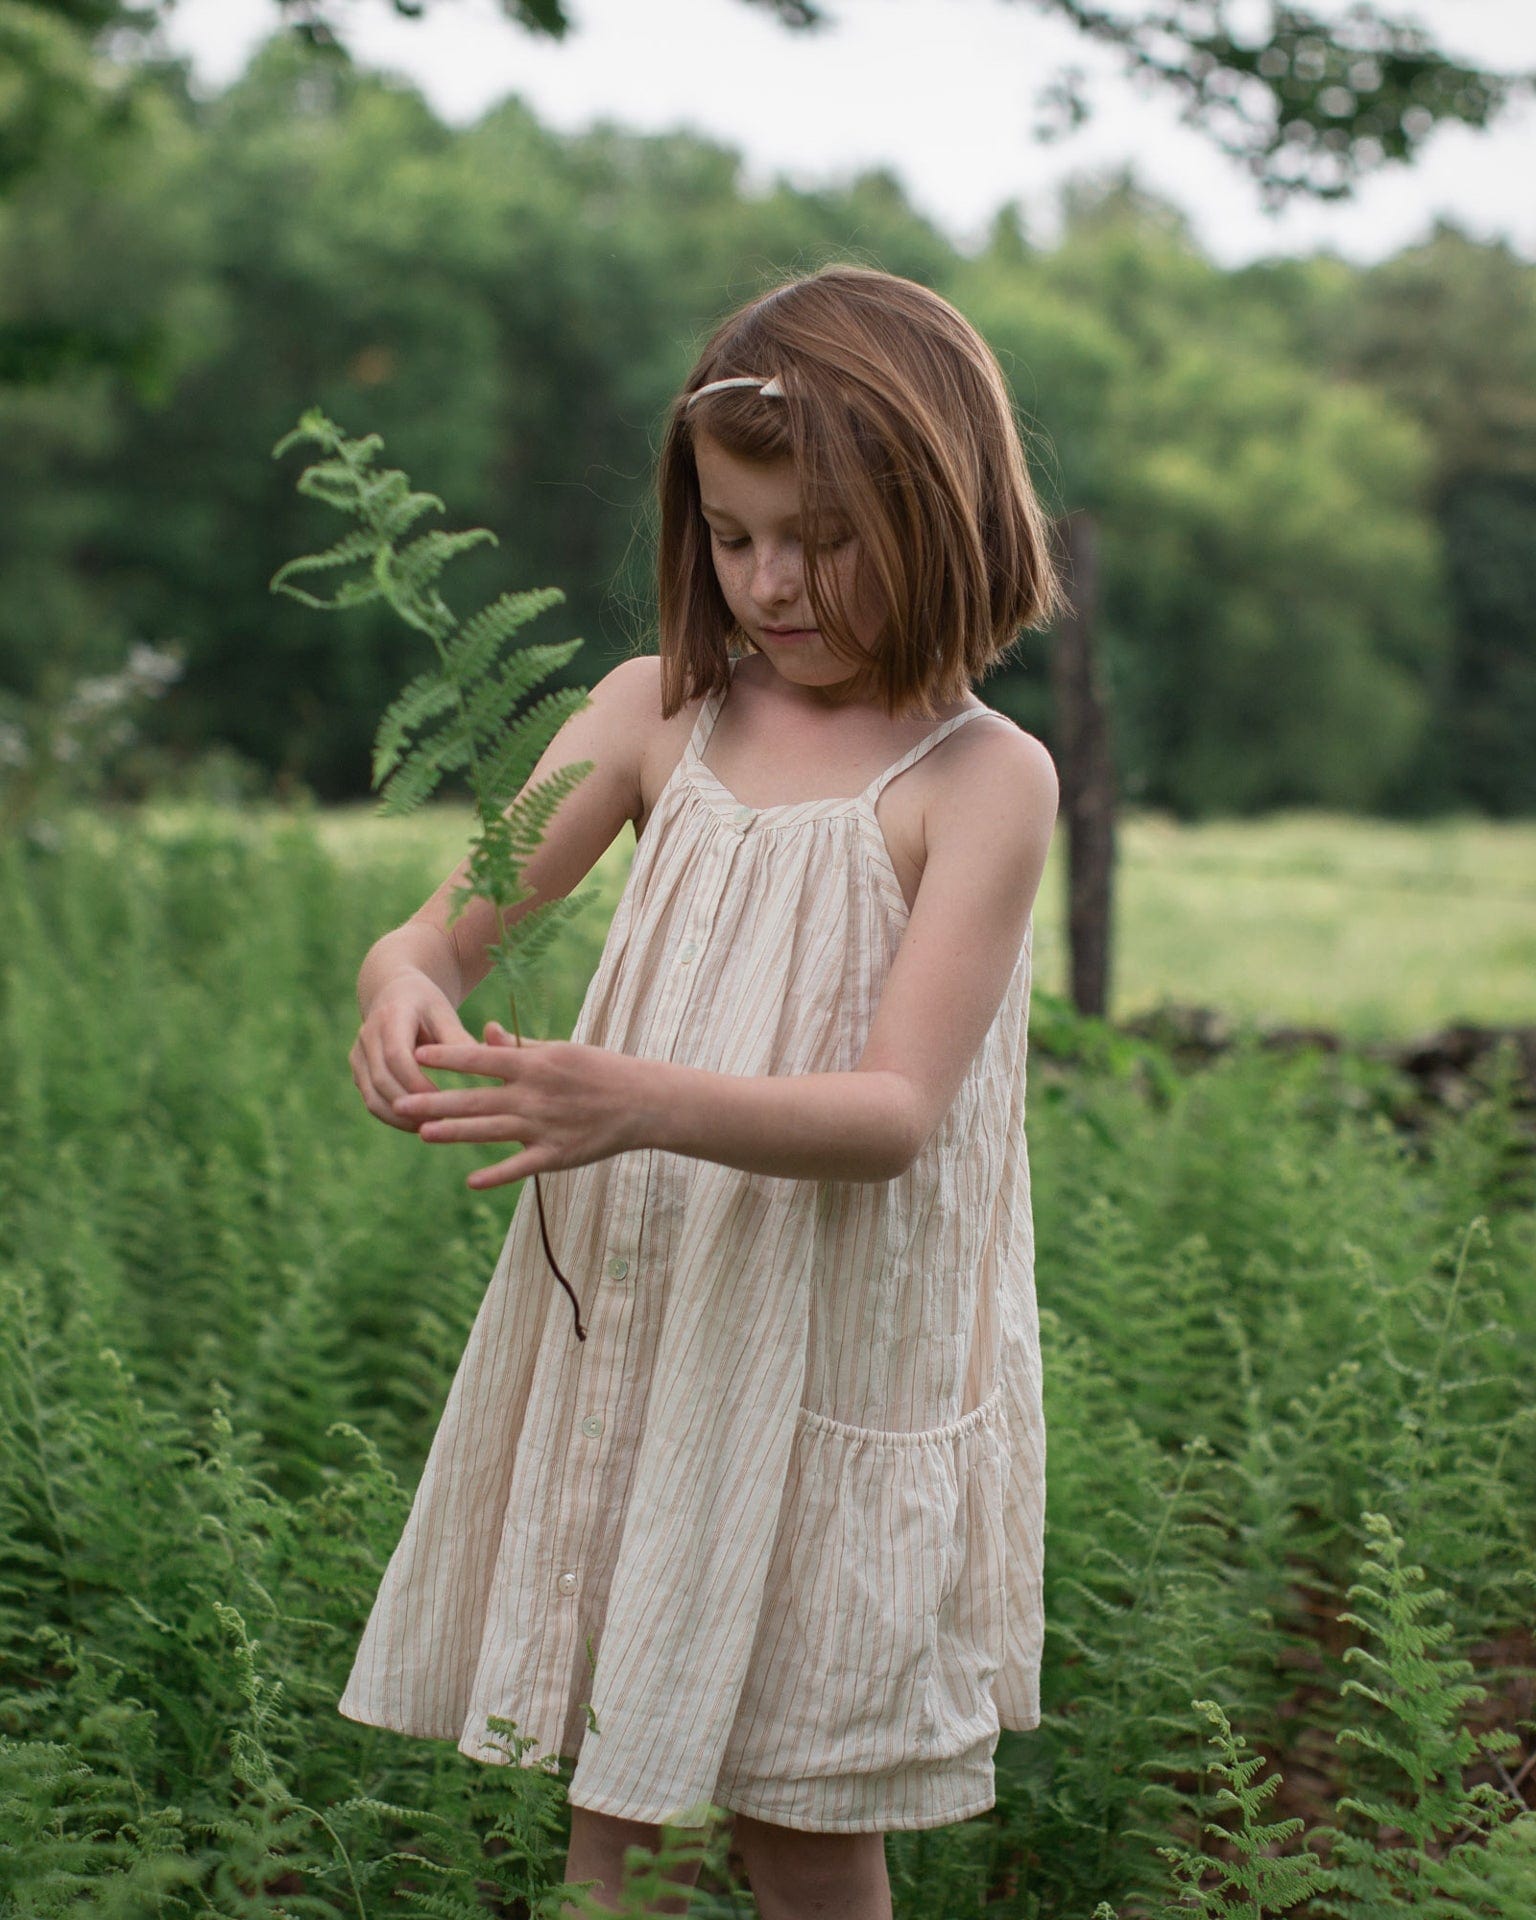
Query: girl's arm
[
  {"x": 420, "y": 946},
  {"x": 801, "y": 1126},
  {"x": 414, "y": 977},
  {"x": 611, "y": 732}
]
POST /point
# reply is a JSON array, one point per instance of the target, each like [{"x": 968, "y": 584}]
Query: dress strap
[
  {"x": 876, "y": 786},
  {"x": 709, "y": 713}
]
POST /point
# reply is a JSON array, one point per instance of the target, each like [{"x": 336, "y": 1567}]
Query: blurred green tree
[
  {"x": 511, "y": 308},
  {"x": 1447, "y": 331},
  {"x": 1272, "y": 596},
  {"x": 1308, "y": 105}
]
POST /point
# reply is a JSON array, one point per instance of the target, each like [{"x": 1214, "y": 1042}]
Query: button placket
[
  {"x": 713, "y": 882},
  {"x": 593, "y": 1378}
]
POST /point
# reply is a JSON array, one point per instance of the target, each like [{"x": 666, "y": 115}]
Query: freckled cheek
[{"x": 732, "y": 581}]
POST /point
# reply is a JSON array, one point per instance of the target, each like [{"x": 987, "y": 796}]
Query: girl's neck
[{"x": 810, "y": 704}]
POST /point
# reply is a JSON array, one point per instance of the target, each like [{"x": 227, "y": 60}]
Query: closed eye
[{"x": 827, "y": 546}]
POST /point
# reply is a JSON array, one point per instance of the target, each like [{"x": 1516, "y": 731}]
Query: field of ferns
[{"x": 1288, "y": 1344}]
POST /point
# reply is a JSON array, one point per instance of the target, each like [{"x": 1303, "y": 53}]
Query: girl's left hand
[{"x": 565, "y": 1103}]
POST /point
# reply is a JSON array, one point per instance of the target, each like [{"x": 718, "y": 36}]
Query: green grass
[
  {"x": 1287, "y": 1400},
  {"x": 1379, "y": 931}
]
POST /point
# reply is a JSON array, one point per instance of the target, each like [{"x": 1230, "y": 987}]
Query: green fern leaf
[
  {"x": 420, "y": 773},
  {"x": 354, "y": 546},
  {"x": 398, "y": 516},
  {"x": 424, "y": 699},
  {"x": 535, "y": 806},
  {"x": 528, "y": 939},
  {"x": 409, "y": 573},
  {"x": 476, "y": 644},
  {"x": 506, "y": 768}
]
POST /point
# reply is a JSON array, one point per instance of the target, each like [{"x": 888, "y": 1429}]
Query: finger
[
  {"x": 390, "y": 1066},
  {"x": 522, "y": 1166},
  {"x": 401, "y": 1034},
  {"x": 469, "y": 1059},
  {"x": 501, "y": 1126},
  {"x": 455, "y": 1103},
  {"x": 381, "y": 1110},
  {"x": 504, "y": 1126},
  {"x": 443, "y": 1025},
  {"x": 362, "y": 1079}
]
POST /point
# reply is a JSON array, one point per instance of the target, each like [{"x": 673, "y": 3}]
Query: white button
[
  {"x": 566, "y": 1583},
  {"x": 593, "y": 1424},
  {"x": 743, "y": 816},
  {"x": 618, "y": 1266},
  {"x": 688, "y": 949}
]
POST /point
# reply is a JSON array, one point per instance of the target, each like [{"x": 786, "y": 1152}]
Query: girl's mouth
[{"x": 789, "y": 636}]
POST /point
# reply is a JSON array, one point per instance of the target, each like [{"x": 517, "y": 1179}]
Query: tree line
[{"x": 1314, "y": 482}]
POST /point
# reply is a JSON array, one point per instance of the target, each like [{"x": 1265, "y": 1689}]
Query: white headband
[{"x": 769, "y": 389}]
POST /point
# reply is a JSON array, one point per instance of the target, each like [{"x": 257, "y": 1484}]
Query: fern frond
[
  {"x": 428, "y": 695},
  {"x": 508, "y": 764},
  {"x": 535, "y": 806},
  {"x": 417, "y": 776},
  {"x": 1259, "y": 1880},
  {"x": 530, "y": 936},
  {"x": 353, "y": 546},
  {"x": 461, "y": 715},
  {"x": 408, "y": 572},
  {"x": 396, "y": 517},
  {"x": 475, "y": 646},
  {"x": 1420, "y": 1696}
]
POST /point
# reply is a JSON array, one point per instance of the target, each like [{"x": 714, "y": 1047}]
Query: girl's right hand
[{"x": 412, "y": 1011}]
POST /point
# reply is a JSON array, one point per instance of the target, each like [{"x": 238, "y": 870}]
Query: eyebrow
[{"x": 708, "y": 506}]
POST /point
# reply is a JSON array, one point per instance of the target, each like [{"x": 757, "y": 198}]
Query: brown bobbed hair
[{"x": 900, "y": 424}]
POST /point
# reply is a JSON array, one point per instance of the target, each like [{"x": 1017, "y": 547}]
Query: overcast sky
[{"x": 939, "y": 91}]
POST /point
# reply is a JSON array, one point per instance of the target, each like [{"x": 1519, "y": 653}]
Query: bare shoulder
[
  {"x": 991, "y": 811},
  {"x": 629, "y": 695},
  {"x": 992, "y": 764},
  {"x": 657, "y": 740},
  {"x": 635, "y": 683}
]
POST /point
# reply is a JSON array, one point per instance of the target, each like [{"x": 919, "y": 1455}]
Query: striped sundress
[{"x": 771, "y": 1537}]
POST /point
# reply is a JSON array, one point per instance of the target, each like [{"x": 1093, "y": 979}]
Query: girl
[{"x": 769, "y": 1535}]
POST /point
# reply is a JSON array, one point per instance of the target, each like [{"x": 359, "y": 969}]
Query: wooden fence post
[{"x": 1085, "y": 767}]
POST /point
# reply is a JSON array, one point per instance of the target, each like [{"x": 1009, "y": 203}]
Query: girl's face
[{"x": 753, "y": 511}]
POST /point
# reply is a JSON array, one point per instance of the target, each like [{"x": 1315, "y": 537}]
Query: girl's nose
[{"x": 775, "y": 577}]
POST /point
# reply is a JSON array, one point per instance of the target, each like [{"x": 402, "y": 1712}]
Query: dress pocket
[{"x": 876, "y": 1630}]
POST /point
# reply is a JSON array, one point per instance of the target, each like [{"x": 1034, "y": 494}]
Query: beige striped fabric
[{"x": 771, "y": 1536}]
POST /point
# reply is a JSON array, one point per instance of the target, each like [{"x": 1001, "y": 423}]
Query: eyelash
[{"x": 733, "y": 546}]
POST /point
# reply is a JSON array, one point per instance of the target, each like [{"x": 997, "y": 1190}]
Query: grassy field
[
  {"x": 1291, "y": 1478},
  {"x": 1379, "y": 931}
]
